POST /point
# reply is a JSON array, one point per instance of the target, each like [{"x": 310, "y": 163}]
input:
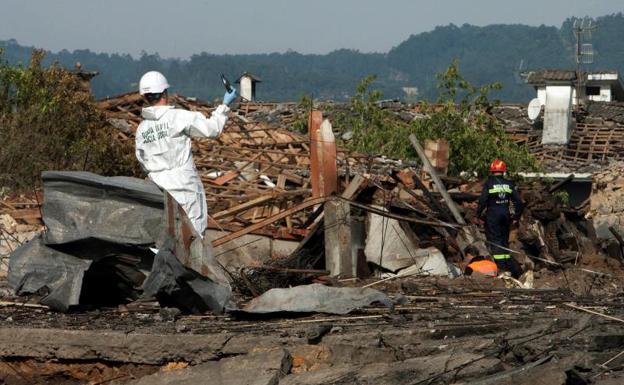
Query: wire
[{"x": 236, "y": 243}]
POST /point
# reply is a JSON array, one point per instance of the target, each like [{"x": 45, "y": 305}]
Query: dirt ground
[{"x": 442, "y": 331}]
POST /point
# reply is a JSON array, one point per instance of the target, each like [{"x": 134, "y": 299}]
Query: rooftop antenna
[
  {"x": 521, "y": 74},
  {"x": 584, "y": 54}
]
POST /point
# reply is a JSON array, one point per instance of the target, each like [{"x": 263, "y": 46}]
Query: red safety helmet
[{"x": 498, "y": 166}]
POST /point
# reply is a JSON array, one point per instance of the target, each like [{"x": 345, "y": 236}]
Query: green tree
[
  {"x": 48, "y": 121},
  {"x": 461, "y": 116},
  {"x": 475, "y": 137}
]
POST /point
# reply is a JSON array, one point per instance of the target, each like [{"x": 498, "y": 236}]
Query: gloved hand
[{"x": 229, "y": 96}]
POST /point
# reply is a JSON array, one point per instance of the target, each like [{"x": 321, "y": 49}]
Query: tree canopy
[{"x": 488, "y": 54}]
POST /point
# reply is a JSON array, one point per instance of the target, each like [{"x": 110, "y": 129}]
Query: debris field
[{"x": 320, "y": 266}]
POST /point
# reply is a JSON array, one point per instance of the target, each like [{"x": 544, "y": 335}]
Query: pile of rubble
[
  {"x": 297, "y": 227},
  {"x": 598, "y": 137},
  {"x": 607, "y": 208},
  {"x": 257, "y": 168},
  {"x": 20, "y": 221},
  {"x": 266, "y": 218},
  {"x": 440, "y": 332}
]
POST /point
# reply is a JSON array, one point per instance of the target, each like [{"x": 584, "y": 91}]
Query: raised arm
[{"x": 203, "y": 127}]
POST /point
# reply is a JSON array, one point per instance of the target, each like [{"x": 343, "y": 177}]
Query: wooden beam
[
  {"x": 26, "y": 214},
  {"x": 272, "y": 232},
  {"x": 243, "y": 206},
  {"x": 398, "y": 217},
  {"x": 354, "y": 186},
  {"x": 314, "y": 125},
  {"x": 436, "y": 179},
  {"x": 223, "y": 179},
  {"x": 469, "y": 234},
  {"x": 268, "y": 221}
]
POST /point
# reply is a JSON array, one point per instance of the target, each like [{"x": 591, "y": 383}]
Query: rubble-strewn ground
[
  {"x": 444, "y": 331},
  {"x": 566, "y": 330}
]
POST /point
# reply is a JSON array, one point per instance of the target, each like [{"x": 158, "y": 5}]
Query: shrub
[
  {"x": 48, "y": 121},
  {"x": 461, "y": 116}
]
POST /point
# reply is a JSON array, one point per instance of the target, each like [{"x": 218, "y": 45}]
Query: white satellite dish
[{"x": 535, "y": 108}]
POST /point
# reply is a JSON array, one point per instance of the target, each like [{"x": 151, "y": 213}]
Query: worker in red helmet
[{"x": 494, "y": 204}]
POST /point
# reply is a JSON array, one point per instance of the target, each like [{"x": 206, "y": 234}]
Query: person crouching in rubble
[
  {"x": 494, "y": 200},
  {"x": 478, "y": 264},
  {"x": 163, "y": 145}
]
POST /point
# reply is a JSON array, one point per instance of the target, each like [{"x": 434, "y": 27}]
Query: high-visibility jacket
[
  {"x": 485, "y": 267},
  {"x": 498, "y": 192},
  {"x": 496, "y": 196}
]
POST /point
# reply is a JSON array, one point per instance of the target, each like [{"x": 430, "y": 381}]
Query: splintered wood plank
[
  {"x": 293, "y": 177},
  {"x": 26, "y": 214},
  {"x": 268, "y": 221},
  {"x": 223, "y": 179},
  {"x": 8, "y": 205},
  {"x": 243, "y": 207},
  {"x": 240, "y": 158},
  {"x": 281, "y": 182}
]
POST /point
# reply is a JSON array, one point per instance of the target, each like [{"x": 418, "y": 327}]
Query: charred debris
[{"x": 298, "y": 226}]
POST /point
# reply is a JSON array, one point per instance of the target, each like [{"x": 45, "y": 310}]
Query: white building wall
[
  {"x": 558, "y": 115},
  {"x": 541, "y": 95},
  {"x": 245, "y": 88},
  {"x": 605, "y": 93}
]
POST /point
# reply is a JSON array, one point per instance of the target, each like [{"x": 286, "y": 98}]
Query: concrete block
[
  {"x": 249, "y": 250},
  {"x": 338, "y": 250},
  {"x": 263, "y": 368},
  {"x": 108, "y": 345},
  {"x": 388, "y": 245}
]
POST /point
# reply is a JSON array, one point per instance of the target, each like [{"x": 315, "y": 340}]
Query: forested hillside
[{"x": 486, "y": 54}]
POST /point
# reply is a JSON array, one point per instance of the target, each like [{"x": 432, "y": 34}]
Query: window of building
[{"x": 592, "y": 91}]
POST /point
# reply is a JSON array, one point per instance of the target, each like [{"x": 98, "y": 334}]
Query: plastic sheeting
[
  {"x": 173, "y": 283},
  {"x": 96, "y": 249},
  {"x": 36, "y": 268},
  {"x": 82, "y": 205},
  {"x": 316, "y": 298}
]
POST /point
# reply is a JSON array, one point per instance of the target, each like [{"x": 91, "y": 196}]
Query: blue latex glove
[{"x": 229, "y": 96}]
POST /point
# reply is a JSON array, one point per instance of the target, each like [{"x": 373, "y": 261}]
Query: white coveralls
[{"x": 163, "y": 147}]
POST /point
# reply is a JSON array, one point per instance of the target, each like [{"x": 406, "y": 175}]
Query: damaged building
[{"x": 319, "y": 265}]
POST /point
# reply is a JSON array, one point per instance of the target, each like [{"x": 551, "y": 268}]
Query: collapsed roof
[{"x": 262, "y": 134}]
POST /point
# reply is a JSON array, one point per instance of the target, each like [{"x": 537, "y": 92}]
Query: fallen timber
[
  {"x": 440, "y": 331},
  {"x": 507, "y": 328}
]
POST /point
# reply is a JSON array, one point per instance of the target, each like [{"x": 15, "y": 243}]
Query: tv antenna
[
  {"x": 521, "y": 74},
  {"x": 584, "y": 54}
]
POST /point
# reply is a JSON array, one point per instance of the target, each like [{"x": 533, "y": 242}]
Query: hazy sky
[{"x": 179, "y": 28}]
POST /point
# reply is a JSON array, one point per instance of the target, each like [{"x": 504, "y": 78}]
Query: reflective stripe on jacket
[{"x": 496, "y": 196}]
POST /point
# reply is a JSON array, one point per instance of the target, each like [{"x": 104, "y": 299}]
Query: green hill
[{"x": 486, "y": 54}]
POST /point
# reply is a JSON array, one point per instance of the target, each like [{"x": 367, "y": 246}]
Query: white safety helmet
[{"x": 153, "y": 82}]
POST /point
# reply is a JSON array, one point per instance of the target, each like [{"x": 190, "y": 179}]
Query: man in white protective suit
[{"x": 163, "y": 145}]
